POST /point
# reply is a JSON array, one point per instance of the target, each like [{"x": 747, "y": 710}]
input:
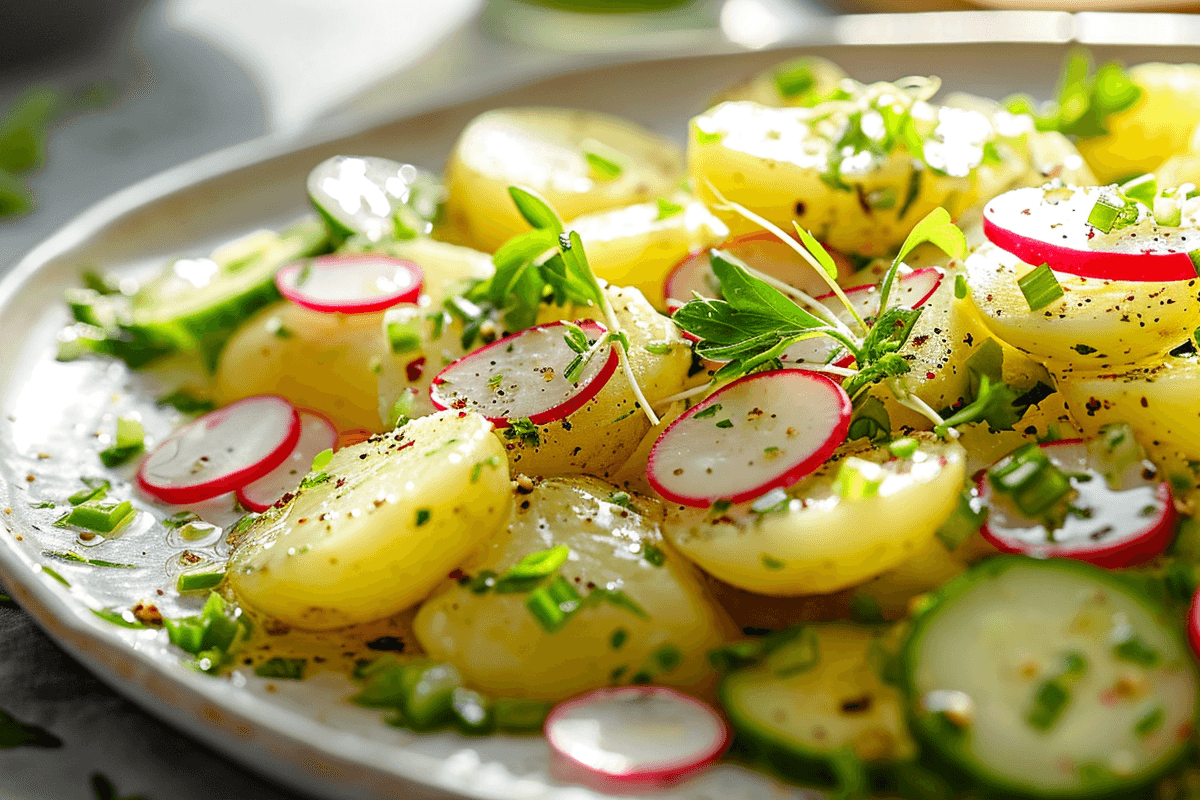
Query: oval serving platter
[{"x": 54, "y": 418}]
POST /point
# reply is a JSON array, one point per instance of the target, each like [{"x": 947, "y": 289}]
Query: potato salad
[{"x": 856, "y": 439}]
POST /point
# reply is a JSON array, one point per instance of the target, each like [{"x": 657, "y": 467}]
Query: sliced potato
[
  {"x": 446, "y": 266},
  {"x": 817, "y": 541},
  {"x": 639, "y": 245},
  {"x": 547, "y": 149},
  {"x": 1097, "y": 323},
  {"x": 1156, "y": 127},
  {"x": 499, "y": 646},
  {"x": 776, "y": 161},
  {"x": 324, "y": 362},
  {"x": 893, "y": 591},
  {"x": 394, "y": 515},
  {"x": 599, "y": 438},
  {"x": 1158, "y": 401},
  {"x": 803, "y": 81}
]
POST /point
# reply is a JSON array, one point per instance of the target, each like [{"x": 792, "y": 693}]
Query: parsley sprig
[{"x": 755, "y": 323}]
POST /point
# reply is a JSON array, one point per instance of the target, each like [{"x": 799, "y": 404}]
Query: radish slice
[
  {"x": 764, "y": 252},
  {"x": 1194, "y": 624},
  {"x": 637, "y": 733},
  {"x": 1115, "y": 528},
  {"x": 355, "y": 284},
  {"x": 524, "y": 376},
  {"x": 912, "y": 290},
  {"x": 316, "y": 435},
  {"x": 1050, "y": 226},
  {"x": 222, "y": 450},
  {"x": 759, "y": 433}
]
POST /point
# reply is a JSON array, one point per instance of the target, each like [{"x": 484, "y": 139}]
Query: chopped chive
[
  {"x": 1103, "y": 215},
  {"x": 321, "y": 460},
  {"x": 667, "y": 658},
  {"x": 654, "y": 554},
  {"x": 1142, "y": 189},
  {"x": 618, "y": 598},
  {"x": 186, "y": 402},
  {"x": 1136, "y": 651},
  {"x": 540, "y": 564},
  {"x": 1033, "y": 483},
  {"x": 725, "y": 423},
  {"x": 622, "y": 499},
  {"x": 403, "y": 336},
  {"x": 904, "y": 448},
  {"x": 1049, "y": 702},
  {"x": 1150, "y": 722},
  {"x": 771, "y": 562},
  {"x": 97, "y": 489},
  {"x": 1040, "y": 287},
  {"x": 721, "y": 506},
  {"x": 794, "y": 81},
  {"x": 98, "y": 518},
  {"x": 604, "y": 168},
  {"x": 314, "y": 479},
  {"x": 658, "y": 348},
  {"x": 711, "y": 411},
  {"x": 129, "y": 442},
  {"x": 423, "y": 515},
  {"x": 198, "y": 581},
  {"x": 53, "y": 573},
  {"x": 116, "y": 617},
  {"x": 667, "y": 209},
  {"x": 858, "y": 479},
  {"x": 45, "y": 504},
  {"x": 514, "y": 715},
  {"x": 75, "y": 558},
  {"x": 618, "y": 638},
  {"x": 961, "y": 290},
  {"x": 282, "y": 668},
  {"x": 553, "y": 605}
]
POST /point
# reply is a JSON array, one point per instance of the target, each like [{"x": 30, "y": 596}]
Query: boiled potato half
[
  {"x": 815, "y": 540},
  {"x": 500, "y": 646},
  {"x": 1097, "y": 323},
  {"x": 580, "y": 161},
  {"x": 379, "y": 528}
]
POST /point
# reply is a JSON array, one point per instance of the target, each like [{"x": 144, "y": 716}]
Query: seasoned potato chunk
[
  {"x": 616, "y": 554},
  {"x": 580, "y": 161}
]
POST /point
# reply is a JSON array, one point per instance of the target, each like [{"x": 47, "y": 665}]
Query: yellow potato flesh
[
  {"x": 318, "y": 361},
  {"x": 635, "y": 246},
  {"x": 768, "y": 86},
  {"x": 819, "y": 542},
  {"x": 771, "y": 160},
  {"x": 397, "y": 514},
  {"x": 1097, "y": 323},
  {"x": 545, "y": 149},
  {"x": 500, "y": 647}
]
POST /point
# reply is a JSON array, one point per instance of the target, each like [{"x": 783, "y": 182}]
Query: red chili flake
[
  {"x": 415, "y": 369},
  {"x": 929, "y": 376}
]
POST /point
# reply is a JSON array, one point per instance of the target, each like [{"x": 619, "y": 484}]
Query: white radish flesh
[
  {"x": 637, "y": 733},
  {"x": 317, "y": 434},
  {"x": 1050, "y": 226},
  {"x": 761, "y": 432},
  {"x": 1113, "y": 526},
  {"x": 222, "y": 450},
  {"x": 523, "y": 376},
  {"x": 354, "y": 284}
]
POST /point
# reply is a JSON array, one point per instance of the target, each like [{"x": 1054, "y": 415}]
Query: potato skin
[
  {"x": 499, "y": 646},
  {"x": 396, "y": 514},
  {"x": 544, "y": 149}
]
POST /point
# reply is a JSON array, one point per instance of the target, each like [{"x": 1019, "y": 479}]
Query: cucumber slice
[
  {"x": 1050, "y": 678},
  {"x": 197, "y": 303},
  {"x": 816, "y": 709},
  {"x": 375, "y": 197}
]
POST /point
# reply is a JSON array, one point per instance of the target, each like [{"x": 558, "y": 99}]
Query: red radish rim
[
  {"x": 250, "y": 503},
  {"x": 1099, "y": 264},
  {"x": 1194, "y": 624},
  {"x": 1131, "y": 551},
  {"x": 229, "y": 481},
  {"x": 663, "y": 772},
  {"x": 818, "y": 457},
  {"x": 576, "y": 401},
  {"x": 366, "y": 306}
]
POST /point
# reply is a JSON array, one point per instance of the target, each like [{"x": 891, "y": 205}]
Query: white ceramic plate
[{"x": 304, "y": 733}]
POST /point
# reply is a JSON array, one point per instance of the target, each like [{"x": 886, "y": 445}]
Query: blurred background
[{"x": 95, "y": 96}]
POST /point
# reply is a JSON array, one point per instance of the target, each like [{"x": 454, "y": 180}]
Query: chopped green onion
[
  {"x": 282, "y": 668},
  {"x": 403, "y": 335},
  {"x": 1150, "y": 722},
  {"x": 904, "y": 448},
  {"x": 858, "y": 479},
  {"x": 1142, "y": 189},
  {"x": 604, "y": 168},
  {"x": 186, "y": 402},
  {"x": 792, "y": 81},
  {"x": 622, "y": 499},
  {"x": 553, "y": 605},
  {"x": 472, "y": 712},
  {"x": 667, "y": 209},
  {"x": 98, "y": 518},
  {"x": 212, "y": 635},
  {"x": 198, "y": 581},
  {"x": 1027, "y": 477},
  {"x": 423, "y": 515},
  {"x": 1049, "y": 702},
  {"x": 97, "y": 489},
  {"x": 771, "y": 562},
  {"x": 430, "y": 703},
  {"x": 389, "y": 685},
  {"x": 618, "y": 638},
  {"x": 711, "y": 411},
  {"x": 1136, "y": 651},
  {"x": 129, "y": 442},
  {"x": 964, "y": 522},
  {"x": 961, "y": 290},
  {"x": 1040, "y": 287},
  {"x": 1103, "y": 215},
  {"x": 667, "y": 658},
  {"x": 658, "y": 348},
  {"x": 618, "y": 598},
  {"x": 513, "y": 715},
  {"x": 654, "y": 554},
  {"x": 532, "y": 569}
]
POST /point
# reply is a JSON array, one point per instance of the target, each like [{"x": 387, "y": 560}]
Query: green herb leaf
[
  {"x": 818, "y": 251},
  {"x": 667, "y": 209},
  {"x": 604, "y": 168},
  {"x": 536, "y": 211}
]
